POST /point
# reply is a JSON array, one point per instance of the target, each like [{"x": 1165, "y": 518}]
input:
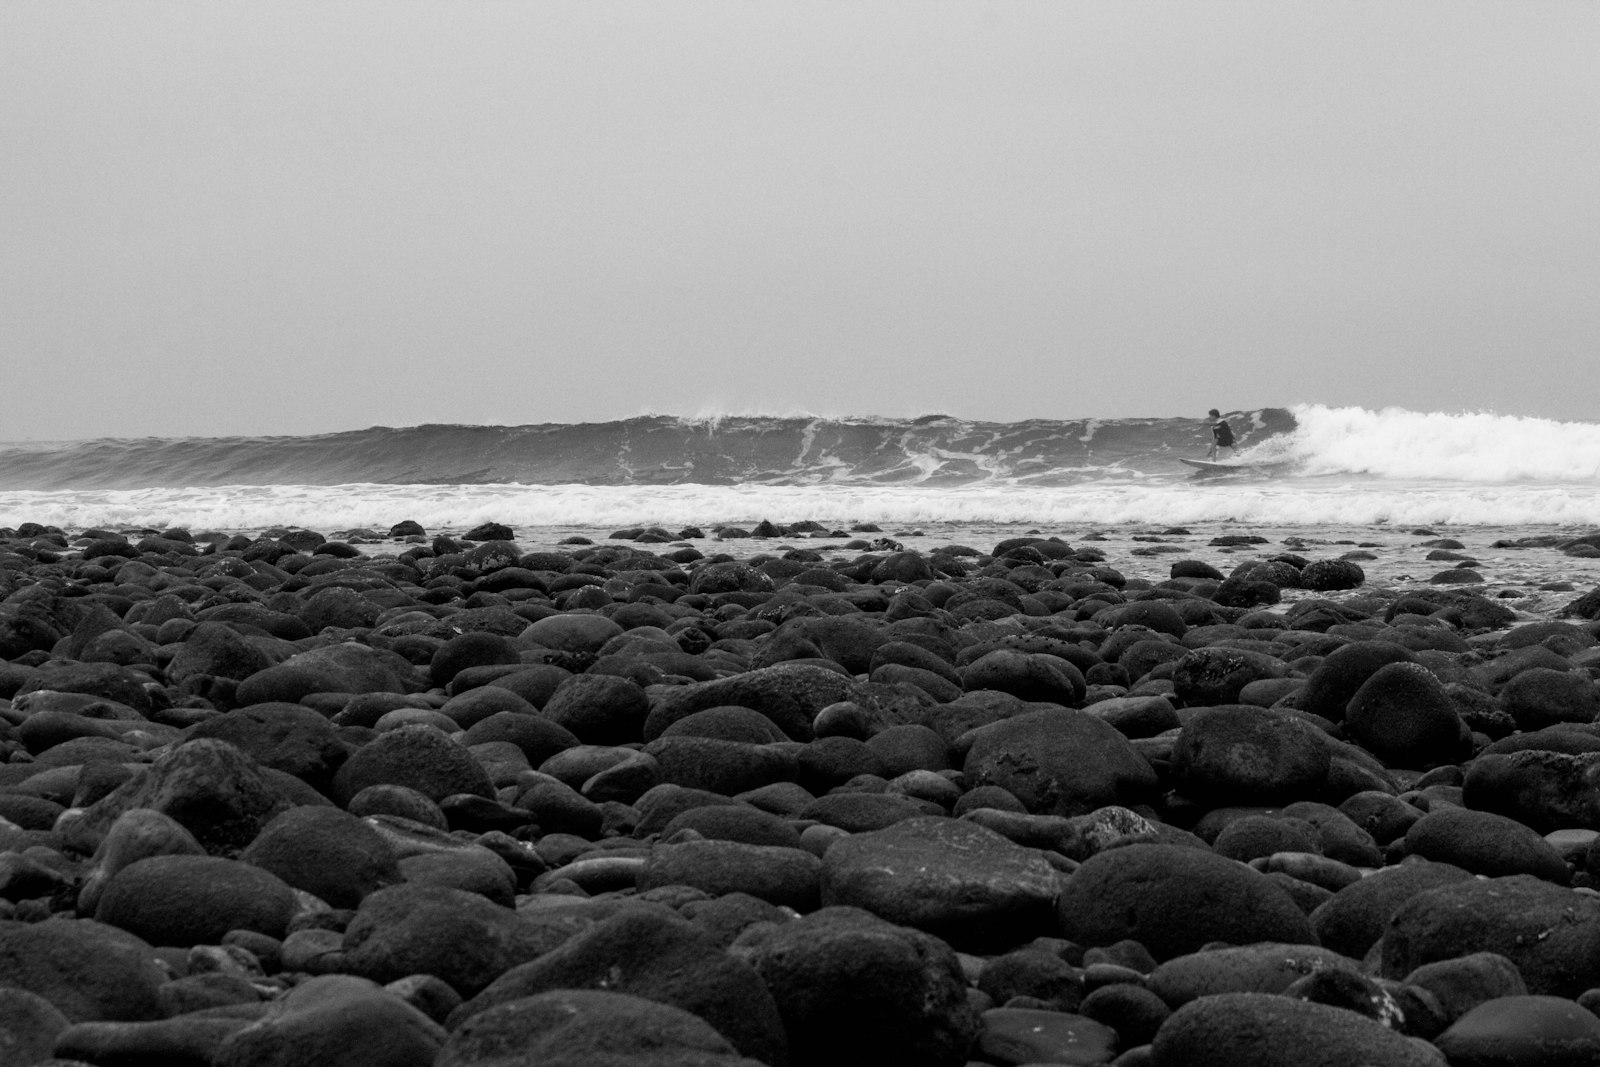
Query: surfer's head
[{"x": 1214, "y": 413}]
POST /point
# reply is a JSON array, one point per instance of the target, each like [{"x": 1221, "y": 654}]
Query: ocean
[{"x": 1333, "y": 467}]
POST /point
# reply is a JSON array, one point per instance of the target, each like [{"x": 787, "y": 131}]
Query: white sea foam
[
  {"x": 1309, "y": 502},
  {"x": 1469, "y": 447}
]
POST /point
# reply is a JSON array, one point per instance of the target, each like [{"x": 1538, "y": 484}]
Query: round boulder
[
  {"x": 1403, "y": 715},
  {"x": 957, "y": 880},
  {"x": 1061, "y": 762},
  {"x": 856, "y": 991},
  {"x": 418, "y": 757},
  {"x": 1262, "y": 1029},
  {"x": 195, "y": 900},
  {"x": 1241, "y": 754},
  {"x": 1173, "y": 899}
]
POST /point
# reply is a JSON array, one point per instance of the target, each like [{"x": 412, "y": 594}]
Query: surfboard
[{"x": 1220, "y": 466}]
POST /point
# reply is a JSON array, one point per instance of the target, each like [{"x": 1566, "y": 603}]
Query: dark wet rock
[
  {"x": 193, "y": 900},
  {"x": 472, "y": 868},
  {"x": 469, "y": 650},
  {"x": 1542, "y": 789},
  {"x": 1062, "y": 762},
  {"x": 1403, "y": 715},
  {"x": 651, "y": 954},
  {"x": 1408, "y": 1011},
  {"x": 215, "y": 649},
  {"x": 725, "y": 918},
  {"x": 733, "y": 822},
  {"x": 489, "y": 531},
  {"x": 1551, "y": 934},
  {"x": 725, "y": 767},
  {"x": 1152, "y": 614},
  {"x": 1500, "y": 670},
  {"x": 136, "y": 834},
  {"x": 731, "y": 723},
  {"x": 599, "y": 709},
  {"x": 1324, "y": 575},
  {"x": 1260, "y": 1028},
  {"x": 856, "y": 991},
  {"x": 212, "y": 789},
  {"x": 1570, "y": 738},
  {"x": 1380, "y": 815},
  {"x": 1211, "y": 676},
  {"x": 1264, "y": 967},
  {"x": 843, "y": 639},
  {"x": 1338, "y": 836},
  {"x": 909, "y": 654},
  {"x": 1250, "y": 591},
  {"x": 204, "y": 990},
  {"x": 1484, "y": 843},
  {"x": 1543, "y": 696},
  {"x": 573, "y": 632},
  {"x": 468, "y": 709},
  {"x": 559, "y": 808},
  {"x": 661, "y": 804},
  {"x": 1461, "y": 984},
  {"x": 1255, "y": 836},
  {"x": 28, "y": 1026},
  {"x": 964, "y": 883},
  {"x": 1034, "y": 972},
  {"x": 418, "y": 757},
  {"x": 1356, "y": 917},
  {"x": 589, "y": 1028},
  {"x": 1343, "y": 671},
  {"x": 193, "y": 1040},
  {"x": 399, "y": 801},
  {"x": 287, "y": 737},
  {"x": 1028, "y": 676},
  {"x": 533, "y": 682},
  {"x": 107, "y": 680},
  {"x": 537, "y": 737},
  {"x": 910, "y": 747},
  {"x": 87, "y": 970},
  {"x": 338, "y": 607},
  {"x": 779, "y": 875},
  {"x": 343, "y": 668},
  {"x": 250, "y": 616},
  {"x": 1174, "y": 899},
  {"x": 329, "y": 853},
  {"x": 335, "y": 1021},
  {"x": 1031, "y": 1035},
  {"x": 461, "y": 937},
  {"x": 1239, "y": 754},
  {"x": 1131, "y": 1010},
  {"x": 1541, "y": 1030},
  {"x": 790, "y": 695},
  {"x": 45, "y": 727},
  {"x": 827, "y": 762}
]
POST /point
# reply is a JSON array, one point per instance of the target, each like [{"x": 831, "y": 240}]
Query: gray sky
[{"x": 295, "y": 217}]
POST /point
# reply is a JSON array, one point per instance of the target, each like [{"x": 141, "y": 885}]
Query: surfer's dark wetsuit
[{"x": 1221, "y": 434}]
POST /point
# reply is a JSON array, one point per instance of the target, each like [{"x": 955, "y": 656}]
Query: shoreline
[{"x": 1392, "y": 558}]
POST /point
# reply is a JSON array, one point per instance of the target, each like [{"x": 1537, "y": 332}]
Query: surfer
[{"x": 1221, "y": 434}]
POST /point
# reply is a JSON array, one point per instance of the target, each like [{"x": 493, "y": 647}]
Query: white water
[
  {"x": 1279, "y": 502},
  {"x": 1471, "y": 447}
]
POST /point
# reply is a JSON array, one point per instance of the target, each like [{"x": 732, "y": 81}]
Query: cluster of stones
[{"x": 271, "y": 801}]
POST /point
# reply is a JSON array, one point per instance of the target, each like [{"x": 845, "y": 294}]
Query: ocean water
[{"x": 1333, "y": 467}]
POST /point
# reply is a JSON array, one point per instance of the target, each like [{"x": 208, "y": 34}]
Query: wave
[{"x": 928, "y": 452}]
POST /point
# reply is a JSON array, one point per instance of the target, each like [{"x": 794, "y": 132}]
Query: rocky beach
[{"x": 787, "y": 794}]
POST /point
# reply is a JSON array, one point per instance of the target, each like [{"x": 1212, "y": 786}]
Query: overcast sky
[{"x": 295, "y": 217}]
